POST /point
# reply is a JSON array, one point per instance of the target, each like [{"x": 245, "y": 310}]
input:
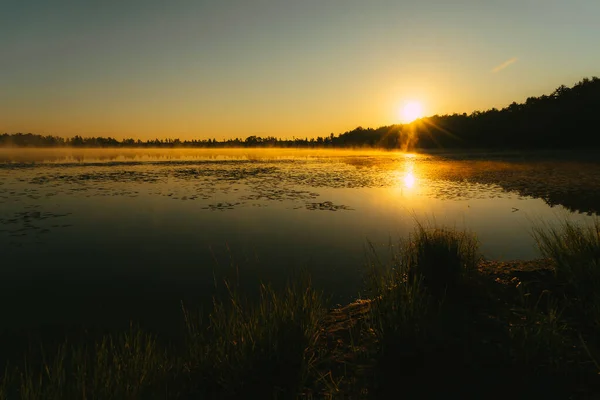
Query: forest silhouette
[{"x": 566, "y": 118}]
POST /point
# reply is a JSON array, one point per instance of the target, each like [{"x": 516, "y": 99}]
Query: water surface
[{"x": 98, "y": 237}]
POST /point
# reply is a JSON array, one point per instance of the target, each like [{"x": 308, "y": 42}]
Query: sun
[{"x": 412, "y": 110}]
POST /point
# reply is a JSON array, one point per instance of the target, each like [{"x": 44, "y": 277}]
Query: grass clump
[
  {"x": 129, "y": 365},
  {"x": 423, "y": 268},
  {"x": 408, "y": 296},
  {"x": 538, "y": 333},
  {"x": 264, "y": 348},
  {"x": 442, "y": 325},
  {"x": 575, "y": 252},
  {"x": 441, "y": 257}
]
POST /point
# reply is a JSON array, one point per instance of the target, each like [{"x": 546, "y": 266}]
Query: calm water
[{"x": 100, "y": 237}]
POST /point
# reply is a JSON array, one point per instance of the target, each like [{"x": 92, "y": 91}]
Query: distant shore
[{"x": 562, "y": 119}]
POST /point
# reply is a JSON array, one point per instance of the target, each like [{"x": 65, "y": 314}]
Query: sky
[{"x": 287, "y": 68}]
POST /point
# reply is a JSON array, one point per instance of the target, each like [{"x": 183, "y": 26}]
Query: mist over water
[{"x": 104, "y": 236}]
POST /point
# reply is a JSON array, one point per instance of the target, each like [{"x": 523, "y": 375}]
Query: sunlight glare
[
  {"x": 409, "y": 180},
  {"x": 411, "y": 111}
]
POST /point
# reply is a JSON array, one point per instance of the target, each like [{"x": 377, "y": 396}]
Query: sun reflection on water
[{"x": 409, "y": 179}]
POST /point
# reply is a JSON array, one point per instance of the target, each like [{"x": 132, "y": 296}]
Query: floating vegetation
[
  {"x": 24, "y": 223},
  {"x": 573, "y": 184},
  {"x": 326, "y": 206},
  {"x": 221, "y": 206},
  {"x": 226, "y": 183}
]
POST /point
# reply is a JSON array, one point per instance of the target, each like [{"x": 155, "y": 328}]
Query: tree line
[{"x": 566, "y": 118}]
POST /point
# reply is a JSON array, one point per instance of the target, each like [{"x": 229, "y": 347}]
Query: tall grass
[
  {"x": 398, "y": 300},
  {"x": 539, "y": 335},
  {"x": 406, "y": 291},
  {"x": 438, "y": 259},
  {"x": 129, "y": 365},
  {"x": 260, "y": 349},
  {"x": 575, "y": 252},
  {"x": 441, "y": 257},
  {"x": 256, "y": 347}
]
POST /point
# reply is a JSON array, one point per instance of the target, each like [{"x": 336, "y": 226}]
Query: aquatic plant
[
  {"x": 407, "y": 292},
  {"x": 421, "y": 270},
  {"x": 575, "y": 253},
  {"x": 129, "y": 365},
  {"x": 256, "y": 348},
  {"x": 538, "y": 334},
  {"x": 261, "y": 349},
  {"x": 441, "y": 257}
]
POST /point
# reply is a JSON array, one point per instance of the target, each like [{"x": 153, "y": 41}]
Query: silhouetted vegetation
[
  {"x": 238, "y": 350},
  {"x": 439, "y": 321},
  {"x": 567, "y": 117},
  {"x": 575, "y": 251}
]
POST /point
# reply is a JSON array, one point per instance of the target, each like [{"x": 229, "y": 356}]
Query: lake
[{"x": 100, "y": 237}]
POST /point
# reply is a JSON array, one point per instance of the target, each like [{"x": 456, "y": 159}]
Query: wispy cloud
[{"x": 505, "y": 64}]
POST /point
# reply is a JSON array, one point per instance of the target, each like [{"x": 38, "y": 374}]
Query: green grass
[
  {"x": 538, "y": 332},
  {"x": 266, "y": 348},
  {"x": 441, "y": 257},
  {"x": 575, "y": 252},
  {"x": 130, "y": 365},
  {"x": 408, "y": 295},
  {"x": 242, "y": 349},
  {"x": 422, "y": 269}
]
